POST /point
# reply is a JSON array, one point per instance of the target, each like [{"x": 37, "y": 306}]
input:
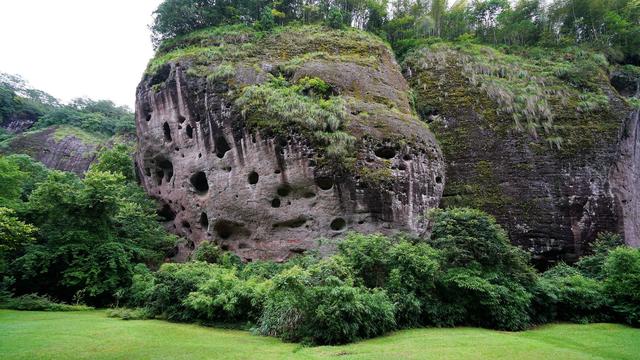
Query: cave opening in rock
[
  {"x": 338, "y": 224},
  {"x": 189, "y": 131},
  {"x": 181, "y": 119},
  {"x": 204, "y": 220},
  {"x": 224, "y": 229},
  {"x": 166, "y": 167},
  {"x": 284, "y": 190},
  {"x": 253, "y": 178},
  {"x": 275, "y": 203},
  {"x": 148, "y": 118},
  {"x": 199, "y": 182},
  {"x": 166, "y": 213},
  {"x": 438, "y": 179},
  {"x": 222, "y": 146},
  {"x": 324, "y": 182},
  {"x": 385, "y": 152},
  {"x": 167, "y": 132},
  {"x": 292, "y": 223},
  {"x": 159, "y": 176}
]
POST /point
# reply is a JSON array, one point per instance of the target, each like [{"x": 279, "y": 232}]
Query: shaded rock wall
[{"x": 552, "y": 201}]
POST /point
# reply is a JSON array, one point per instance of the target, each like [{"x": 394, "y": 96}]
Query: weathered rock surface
[
  {"x": 62, "y": 148},
  {"x": 553, "y": 201},
  {"x": 268, "y": 197},
  {"x": 19, "y": 122}
]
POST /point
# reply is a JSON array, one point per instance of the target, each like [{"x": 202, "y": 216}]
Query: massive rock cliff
[
  {"x": 541, "y": 141},
  {"x": 264, "y": 143}
]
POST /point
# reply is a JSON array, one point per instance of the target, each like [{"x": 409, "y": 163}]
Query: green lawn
[{"x": 91, "y": 335}]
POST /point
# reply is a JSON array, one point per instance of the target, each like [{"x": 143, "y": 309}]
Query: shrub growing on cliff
[{"x": 277, "y": 105}]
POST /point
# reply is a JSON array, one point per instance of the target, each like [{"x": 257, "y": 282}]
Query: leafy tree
[
  {"x": 117, "y": 160},
  {"x": 486, "y": 280}
]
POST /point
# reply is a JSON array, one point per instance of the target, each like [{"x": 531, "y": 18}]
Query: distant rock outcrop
[
  {"x": 268, "y": 185},
  {"x": 57, "y": 147}
]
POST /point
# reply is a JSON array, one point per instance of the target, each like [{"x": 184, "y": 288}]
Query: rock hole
[
  {"x": 385, "y": 152},
  {"x": 324, "y": 182},
  {"x": 222, "y": 146},
  {"x": 292, "y": 223},
  {"x": 225, "y": 229},
  {"x": 199, "y": 182},
  {"x": 186, "y": 224},
  {"x": 312, "y": 163},
  {"x": 147, "y": 171},
  {"x": 438, "y": 179},
  {"x": 277, "y": 171},
  {"x": 225, "y": 247},
  {"x": 159, "y": 176},
  {"x": 308, "y": 194},
  {"x": 177, "y": 148},
  {"x": 253, "y": 178},
  {"x": 402, "y": 167},
  {"x": 148, "y": 117},
  {"x": 284, "y": 190},
  {"x": 275, "y": 203},
  {"x": 406, "y": 157},
  {"x": 191, "y": 245},
  {"x": 189, "y": 131},
  {"x": 199, "y": 156},
  {"x": 204, "y": 220},
  {"x": 166, "y": 167},
  {"x": 167, "y": 132},
  {"x": 338, "y": 224},
  {"x": 165, "y": 213},
  {"x": 181, "y": 119}
]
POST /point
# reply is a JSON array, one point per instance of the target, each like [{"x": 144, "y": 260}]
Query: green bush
[
  {"x": 622, "y": 283},
  {"x": 593, "y": 265},
  {"x": 406, "y": 271},
  {"x": 35, "y": 302},
  {"x": 485, "y": 281},
  {"x": 171, "y": 285},
  {"x": 130, "y": 314},
  {"x": 563, "y": 293},
  {"x": 226, "y": 297},
  {"x": 322, "y": 306}
]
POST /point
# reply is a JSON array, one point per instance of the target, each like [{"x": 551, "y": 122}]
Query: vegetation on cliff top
[{"x": 551, "y": 95}]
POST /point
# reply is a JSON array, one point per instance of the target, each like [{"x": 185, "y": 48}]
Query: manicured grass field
[{"x": 92, "y": 335}]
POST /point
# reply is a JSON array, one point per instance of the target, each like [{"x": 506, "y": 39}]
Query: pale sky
[{"x": 75, "y": 48}]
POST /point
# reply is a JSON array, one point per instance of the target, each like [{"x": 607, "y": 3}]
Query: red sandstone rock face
[{"x": 267, "y": 198}]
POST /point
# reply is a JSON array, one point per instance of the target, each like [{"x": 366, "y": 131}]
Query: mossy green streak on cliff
[{"x": 558, "y": 98}]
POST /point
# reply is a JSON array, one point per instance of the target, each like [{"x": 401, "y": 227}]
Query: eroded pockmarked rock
[{"x": 335, "y": 147}]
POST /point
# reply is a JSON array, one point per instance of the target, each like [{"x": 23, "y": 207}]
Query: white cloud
[{"x": 73, "y": 48}]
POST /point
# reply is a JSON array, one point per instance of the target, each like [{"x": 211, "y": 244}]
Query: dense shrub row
[{"x": 466, "y": 273}]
